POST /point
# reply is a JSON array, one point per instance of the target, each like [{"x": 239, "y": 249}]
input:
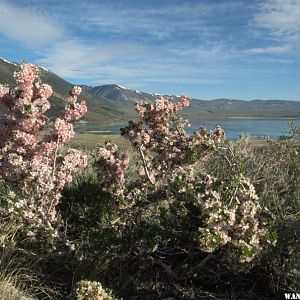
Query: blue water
[
  {"x": 233, "y": 128},
  {"x": 252, "y": 127}
]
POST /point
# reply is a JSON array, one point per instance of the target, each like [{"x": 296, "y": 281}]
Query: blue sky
[{"x": 207, "y": 49}]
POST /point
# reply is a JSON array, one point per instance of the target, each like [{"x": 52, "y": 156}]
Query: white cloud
[
  {"x": 75, "y": 59},
  {"x": 280, "y": 18},
  {"x": 137, "y": 45},
  {"x": 269, "y": 50},
  {"x": 141, "y": 66},
  {"x": 28, "y": 25},
  {"x": 162, "y": 21},
  {"x": 211, "y": 51},
  {"x": 130, "y": 64},
  {"x": 279, "y": 22}
]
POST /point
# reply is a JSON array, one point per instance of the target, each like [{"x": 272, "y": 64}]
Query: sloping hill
[
  {"x": 115, "y": 104},
  {"x": 124, "y": 98},
  {"x": 228, "y": 108},
  {"x": 100, "y": 110},
  {"x": 121, "y": 94},
  {"x": 207, "y": 109}
]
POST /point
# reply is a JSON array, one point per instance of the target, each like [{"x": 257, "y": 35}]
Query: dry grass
[
  {"x": 11, "y": 278},
  {"x": 9, "y": 291},
  {"x": 90, "y": 141}
]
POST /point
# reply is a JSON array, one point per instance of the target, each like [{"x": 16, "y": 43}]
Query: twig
[
  {"x": 145, "y": 166},
  {"x": 201, "y": 264},
  {"x": 46, "y": 221},
  {"x": 55, "y": 157},
  {"x": 166, "y": 268},
  {"x": 54, "y": 168}
]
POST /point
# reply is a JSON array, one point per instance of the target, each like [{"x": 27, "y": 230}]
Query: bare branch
[
  {"x": 166, "y": 268},
  {"x": 201, "y": 264},
  {"x": 145, "y": 166}
]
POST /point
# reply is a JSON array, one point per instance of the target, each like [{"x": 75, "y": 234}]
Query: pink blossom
[
  {"x": 74, "y": 111},
  {"x": 113, "y": 165},
  {"x": 3, "y": 90},
  {"x": 76, "y": 90},
  {"x": 30, "y": 161},
  {"x": 64, "y": 130},
  {"x": 45, "y": 91}
]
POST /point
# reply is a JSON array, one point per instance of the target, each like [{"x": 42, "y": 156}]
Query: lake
[{"x": 256, "y": 128}]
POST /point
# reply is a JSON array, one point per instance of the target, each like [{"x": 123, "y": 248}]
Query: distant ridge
[
  {"x": 207, "y": 109},
  {"x": 100, "y": 110},
  {"x": 113, "y": 103}
]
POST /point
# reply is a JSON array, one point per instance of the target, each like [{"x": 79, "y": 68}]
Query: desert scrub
[
  {"x": 146, "y": 239},
  {"x": 274, "y": 169},
  {"x": 35, "y": 166},
  {"x": 175, "y": 219},
  {"x": 173, "y": 216},
  {"x": 31, "y": 163},
  {"x": 230, "y": 209}
]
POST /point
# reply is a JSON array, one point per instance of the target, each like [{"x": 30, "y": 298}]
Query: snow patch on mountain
[
  {"x": 9, "y": 62},
  {"x": 44, "y": 68},
  {"x": 122, "y": 87},
  {"x": 127, "y": 89}
]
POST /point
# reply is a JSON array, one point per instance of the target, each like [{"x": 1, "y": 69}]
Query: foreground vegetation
[{"x": 161, "y": 215}]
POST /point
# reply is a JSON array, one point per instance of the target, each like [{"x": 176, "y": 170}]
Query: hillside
[
  {"x": 228, "y": 108},
  {"x": 120, "y": 94},
  {"x": 207, "y": 109},
  {"x": 100, "y": 110},
  {"x": 115, "y": 104}
]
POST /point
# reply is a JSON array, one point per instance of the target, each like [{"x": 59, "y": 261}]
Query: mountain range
[{"x": 115, "y": 104}]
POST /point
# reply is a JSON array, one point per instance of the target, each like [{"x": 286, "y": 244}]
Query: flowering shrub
[
  {"x": 30, "y": 162},
  {"x": 162, "y": 141},
  {"x": 170, "y": 168},
  {"x": 233, "y": 217},
  {"x": 176, "y": 224},
  {"x": 113, "y": 165},
  {"x": 91, "y": 290}
]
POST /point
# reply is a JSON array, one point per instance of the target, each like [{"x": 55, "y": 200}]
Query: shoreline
[
  {"x": 199, "y": 119},
  {"x": 261, "y": 118}
]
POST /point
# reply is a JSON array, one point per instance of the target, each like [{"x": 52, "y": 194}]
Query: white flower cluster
[
  {"x": 234, "y": 219},
  {"x": 91, "y": 290}
]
